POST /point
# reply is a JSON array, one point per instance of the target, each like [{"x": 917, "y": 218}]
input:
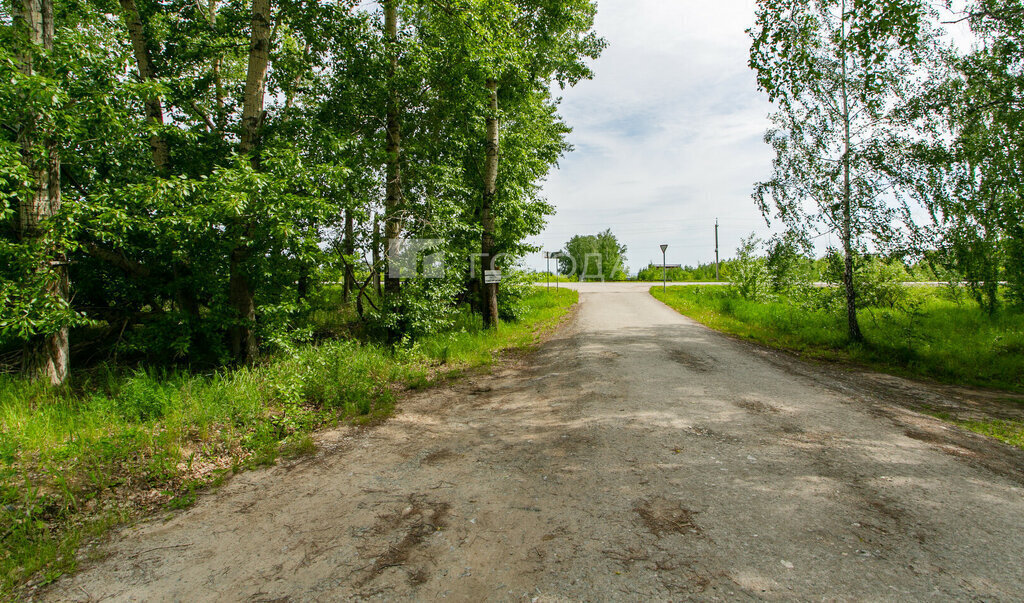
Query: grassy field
[
  {"x": 76, "y": 461},
  {"x": 939, "y": 339},
  {"x": 542, "y": 279},
  {"x": 935, "y": 338}
]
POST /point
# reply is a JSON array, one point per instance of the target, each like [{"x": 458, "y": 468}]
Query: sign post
[
  {"x": 556, "y": 255},
  {"x": 492, "y": 277},
  {"x": 664, "y": 270},
  {"x": 717, "y": 277},
  {"x": 547, "y": 275}
]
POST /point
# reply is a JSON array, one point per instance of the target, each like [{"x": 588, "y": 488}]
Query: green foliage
[
  {"x": 791, "y": 271},
  {"x": 594, "y": 257},
  {"x": 933, "y": 337},
  {"x": 700, "y": 273},
  {"x": 516, "y": 286},
  {"x": 880, "y": 284},
  {"x": 70, "y": 457},
  {"x": 422, "y": 308},
  {"x": 879, "y": 281},
  {"x": 750, "y": 276},
  {"x": 154, "y": 249}
]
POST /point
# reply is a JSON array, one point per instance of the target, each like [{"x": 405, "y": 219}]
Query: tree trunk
[
  {"x": 185, "y": 293},
  {"x": 489, "y": 304},
  {"x": 376, "y": 257},
  {"x": 393, "y": 200},
  {"x": 350, "y": 251},
  {"x": 242, "y": 298},
  {"x": 221, "y": 118},
  {"x": 46, "y": 356},
  {"x": 154, "y": 107},
  {"x": 853, "y": 326},
  {"x": 255, "y": 79}
]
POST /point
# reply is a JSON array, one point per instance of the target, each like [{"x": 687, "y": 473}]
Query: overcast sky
[{"x": 668, "y": 134}]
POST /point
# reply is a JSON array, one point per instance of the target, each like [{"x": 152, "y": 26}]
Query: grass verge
[
  {"x": 1010, "y": 431},
  {"x": 112, "y": 446},
  {"x": 939, "y": 339}
]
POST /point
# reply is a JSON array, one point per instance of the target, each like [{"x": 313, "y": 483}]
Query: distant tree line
[{"x": 782, "y": 265}]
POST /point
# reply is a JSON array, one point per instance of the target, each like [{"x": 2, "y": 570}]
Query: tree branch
[{"x": 117, "y": 259}]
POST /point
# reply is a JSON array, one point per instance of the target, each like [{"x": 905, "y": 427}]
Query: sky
[{"x": 668, "y": 135}]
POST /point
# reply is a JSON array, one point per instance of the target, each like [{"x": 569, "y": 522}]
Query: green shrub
[
  {"x": 750, "y": 273},
  {"x": 515, "y": 287},
  {"x": 145, "y": 397},
  {"x": 423, "y": 307},
  {"x": 925, "y": 335},
  {"x": 880, "y": 284}
]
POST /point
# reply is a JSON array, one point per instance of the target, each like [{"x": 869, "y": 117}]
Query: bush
[
  {"x": 790, "y": 270},
  {"x": 515, "y": 287},
  {"x": 880, "y": 284},
  {"x": 750, "y": 273},
  {"x": 423, "y": 307},
  {"x": 146, "y": 396}
]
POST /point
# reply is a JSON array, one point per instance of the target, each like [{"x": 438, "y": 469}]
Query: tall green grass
[
  {"x": 930, "y": 337},
  {"x": 77, "y": 460}
]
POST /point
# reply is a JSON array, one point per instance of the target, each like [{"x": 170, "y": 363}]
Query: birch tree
[
  {"x": 243, "y": 338},
  {"x": 46, "y": 354},
  {"x": 971, "y": 176},
  {"x": 836, "y": 70},
  {"x": 393, "y": 145}
]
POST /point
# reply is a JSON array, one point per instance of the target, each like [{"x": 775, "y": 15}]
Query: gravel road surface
[{"x": 636, "y": 455}]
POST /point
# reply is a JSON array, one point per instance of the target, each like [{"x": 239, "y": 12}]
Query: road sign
[
  {"x": 664, "y": 269},
  {"x": 492, "y": 277}
]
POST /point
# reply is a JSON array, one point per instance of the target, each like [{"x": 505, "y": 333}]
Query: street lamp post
[{"x": 664, "y": 270}]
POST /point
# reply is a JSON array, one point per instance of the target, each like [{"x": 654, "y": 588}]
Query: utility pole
[
  {"x": 717, "y": 278},
  {"x": 664, "y": 270}
]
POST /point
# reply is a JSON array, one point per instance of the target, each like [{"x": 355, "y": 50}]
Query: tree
[
  {"x": 594, "y": 256},
  {"x": 244, "y": 346},
  {"x": 789, "y": 264},
  {"x": 487, "y": 245},
  {"x": 224, "y": 163},
  {"x": 751, "y": 278},
  {"x": 971, "y": 154},
  {"x": 393, "y": 170},
  {"x": 144, "y": 64},
  {"x": 836, "y": 69},
  {"x": 46, "y": 355},
  {"x": 488, "y": 68}
]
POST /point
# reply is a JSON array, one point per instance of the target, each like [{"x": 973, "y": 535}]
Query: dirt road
[{"x": 637, "y": 455}]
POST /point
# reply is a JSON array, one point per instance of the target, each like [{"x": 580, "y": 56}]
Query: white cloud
[{"x": 667, "y": 135}]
